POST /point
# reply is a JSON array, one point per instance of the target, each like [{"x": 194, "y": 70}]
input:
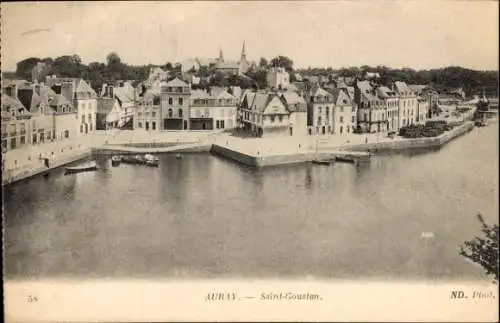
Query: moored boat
[
  {"x": 323, "y": 161},
  {"x": 139, "y": 159},
  {"x": 345, "y": 159},
  {"x": 115, "y": 160},
  {"x": 128, "y": 160},
  {"x": 151, "y": 160},
  {"x": 92, "y": 166}
]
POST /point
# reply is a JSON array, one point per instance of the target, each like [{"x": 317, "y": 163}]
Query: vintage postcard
[{"x": 250, "y": 161}]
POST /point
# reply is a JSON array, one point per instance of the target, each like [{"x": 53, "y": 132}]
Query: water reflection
[{"x": 203, "y": 216}]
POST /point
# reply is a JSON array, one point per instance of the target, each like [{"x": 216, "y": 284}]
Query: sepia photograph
[{"x": 250, "y": 160}]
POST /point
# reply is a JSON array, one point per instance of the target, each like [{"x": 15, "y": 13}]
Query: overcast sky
[{"x": 416, "y": 34}]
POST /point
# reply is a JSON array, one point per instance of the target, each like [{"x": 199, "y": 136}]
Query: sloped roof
[
  {"x": 225, "y": 96},
  {"x": 124, "y": 94},
  {"x": 199, "y": 94},
  {"x": 290, "y": 87},
  {"x": 84, "y": 87},
  {"x": 8, "y": 101},
  {"x": 385, "y": 92},
  {"x": 366, "y": 90},
  {"x": 228, "y": 64},
  {"x": 47, "y": 95},
  {"x": 340, "y": 97},
  {"x": 401, "y": 87},
  {"x": 293, "y": 98},
  {"x": 176, "y": 82},
  {"x": 258, "y": 101},
  {"x": 320, "y": 92},
  {"x": 60, "y": 100},
  {"x": 294, "y": 102}
]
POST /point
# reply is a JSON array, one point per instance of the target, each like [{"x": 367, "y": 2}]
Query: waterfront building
[
  {"x": 42, "y": 117},
  {"x": 65, "y": 113},
  {"x": 264, "y": 114},
  {"x": 372, "y": 112},
  {"x": 344, "y": 113},
  {"x": 277, "y": 78},
  {"x": 107, "y": 115},
  {"x": 320, "y": 111},
  {"x": 147, "y": 115},
  {"x": 120, "y": 109},
  {"x": 423, "y": 109},
  {"x": 174, "y": 103},
  {"x": 408, "y": 105},
  {"x": 298, "y": 113},
  {"x": 82, "y": 96},
  {"x": 208, "y": 112},
  {"x": 390, "y": 100},
  {"x": 15, "y": 122}
]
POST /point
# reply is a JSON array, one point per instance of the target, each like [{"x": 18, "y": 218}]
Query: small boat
[
  {"x": 92, "y": 166},
  {"x": 115, "y": 160},
  {"x": 139, "y": 159},
  {"x": 178, "y": 156},
  {"x": 323, "y": 161},
  {"x": 345, "y": 159},
  {"x": 128, "y": 160},
  {"x": 151, "y": 160}
]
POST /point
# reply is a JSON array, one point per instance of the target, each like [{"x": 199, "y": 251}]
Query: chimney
[{"x": 67, "y": 91}]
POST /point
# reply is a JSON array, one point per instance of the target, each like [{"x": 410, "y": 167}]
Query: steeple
[
  {"x": 221, "y": 56},
  {"x": 243, "y": 54}
]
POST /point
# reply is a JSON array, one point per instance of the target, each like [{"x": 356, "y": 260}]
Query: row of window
[
  {"x": 180, "y": 101},
  {"x": 83, "y": 105},
  {"x": 146, "y": 125},
  {"x": 82, "y": 128},
  {"x": 39, "y": 137},
  {"x": 329, "y": 130},
  {"x": 341, "y": 120},
  {"x": 327, "y": 109},
  {"x": 89, "y": 119}
]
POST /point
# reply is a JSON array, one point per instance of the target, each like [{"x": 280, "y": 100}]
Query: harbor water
[{"x": 400, "y": 216}]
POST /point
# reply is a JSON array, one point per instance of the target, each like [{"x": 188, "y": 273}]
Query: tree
[
  {"x": 483, "y": 250},
  {"x": 263, "y": 62},
  {"x": 24, "y": 67},
  {"x": 113, "y": 58},
  {"x": 67, "y": 66},
  {"x": 282, "y": 61}
]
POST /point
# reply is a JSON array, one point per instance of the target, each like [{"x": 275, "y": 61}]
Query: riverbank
[
  {"x": 29, "y": 162},
  {"x": 287, "y": 154},
  {"x": 38, "y": 166}
]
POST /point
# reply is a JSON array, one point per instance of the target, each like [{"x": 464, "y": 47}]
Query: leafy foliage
[
  {"x": 282, "y": 61},
  {"x": 483, "y": 250}
]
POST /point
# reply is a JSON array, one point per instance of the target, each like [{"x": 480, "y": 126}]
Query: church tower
[
  {"x": 221, "y": 56},
  {"x": 243, "y": 54}
]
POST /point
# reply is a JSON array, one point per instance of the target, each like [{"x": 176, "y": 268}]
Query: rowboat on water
[
  {"x": 139, "y": 159},
  {"x": 323, "y": 161},
  {"x": 345, "y": 159},
  {"x": 92, "y": 166},
  {"x": 151, "y": 160},
  {"x": 115, "y": 160},
  {"x": 128, "y": 160}
]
